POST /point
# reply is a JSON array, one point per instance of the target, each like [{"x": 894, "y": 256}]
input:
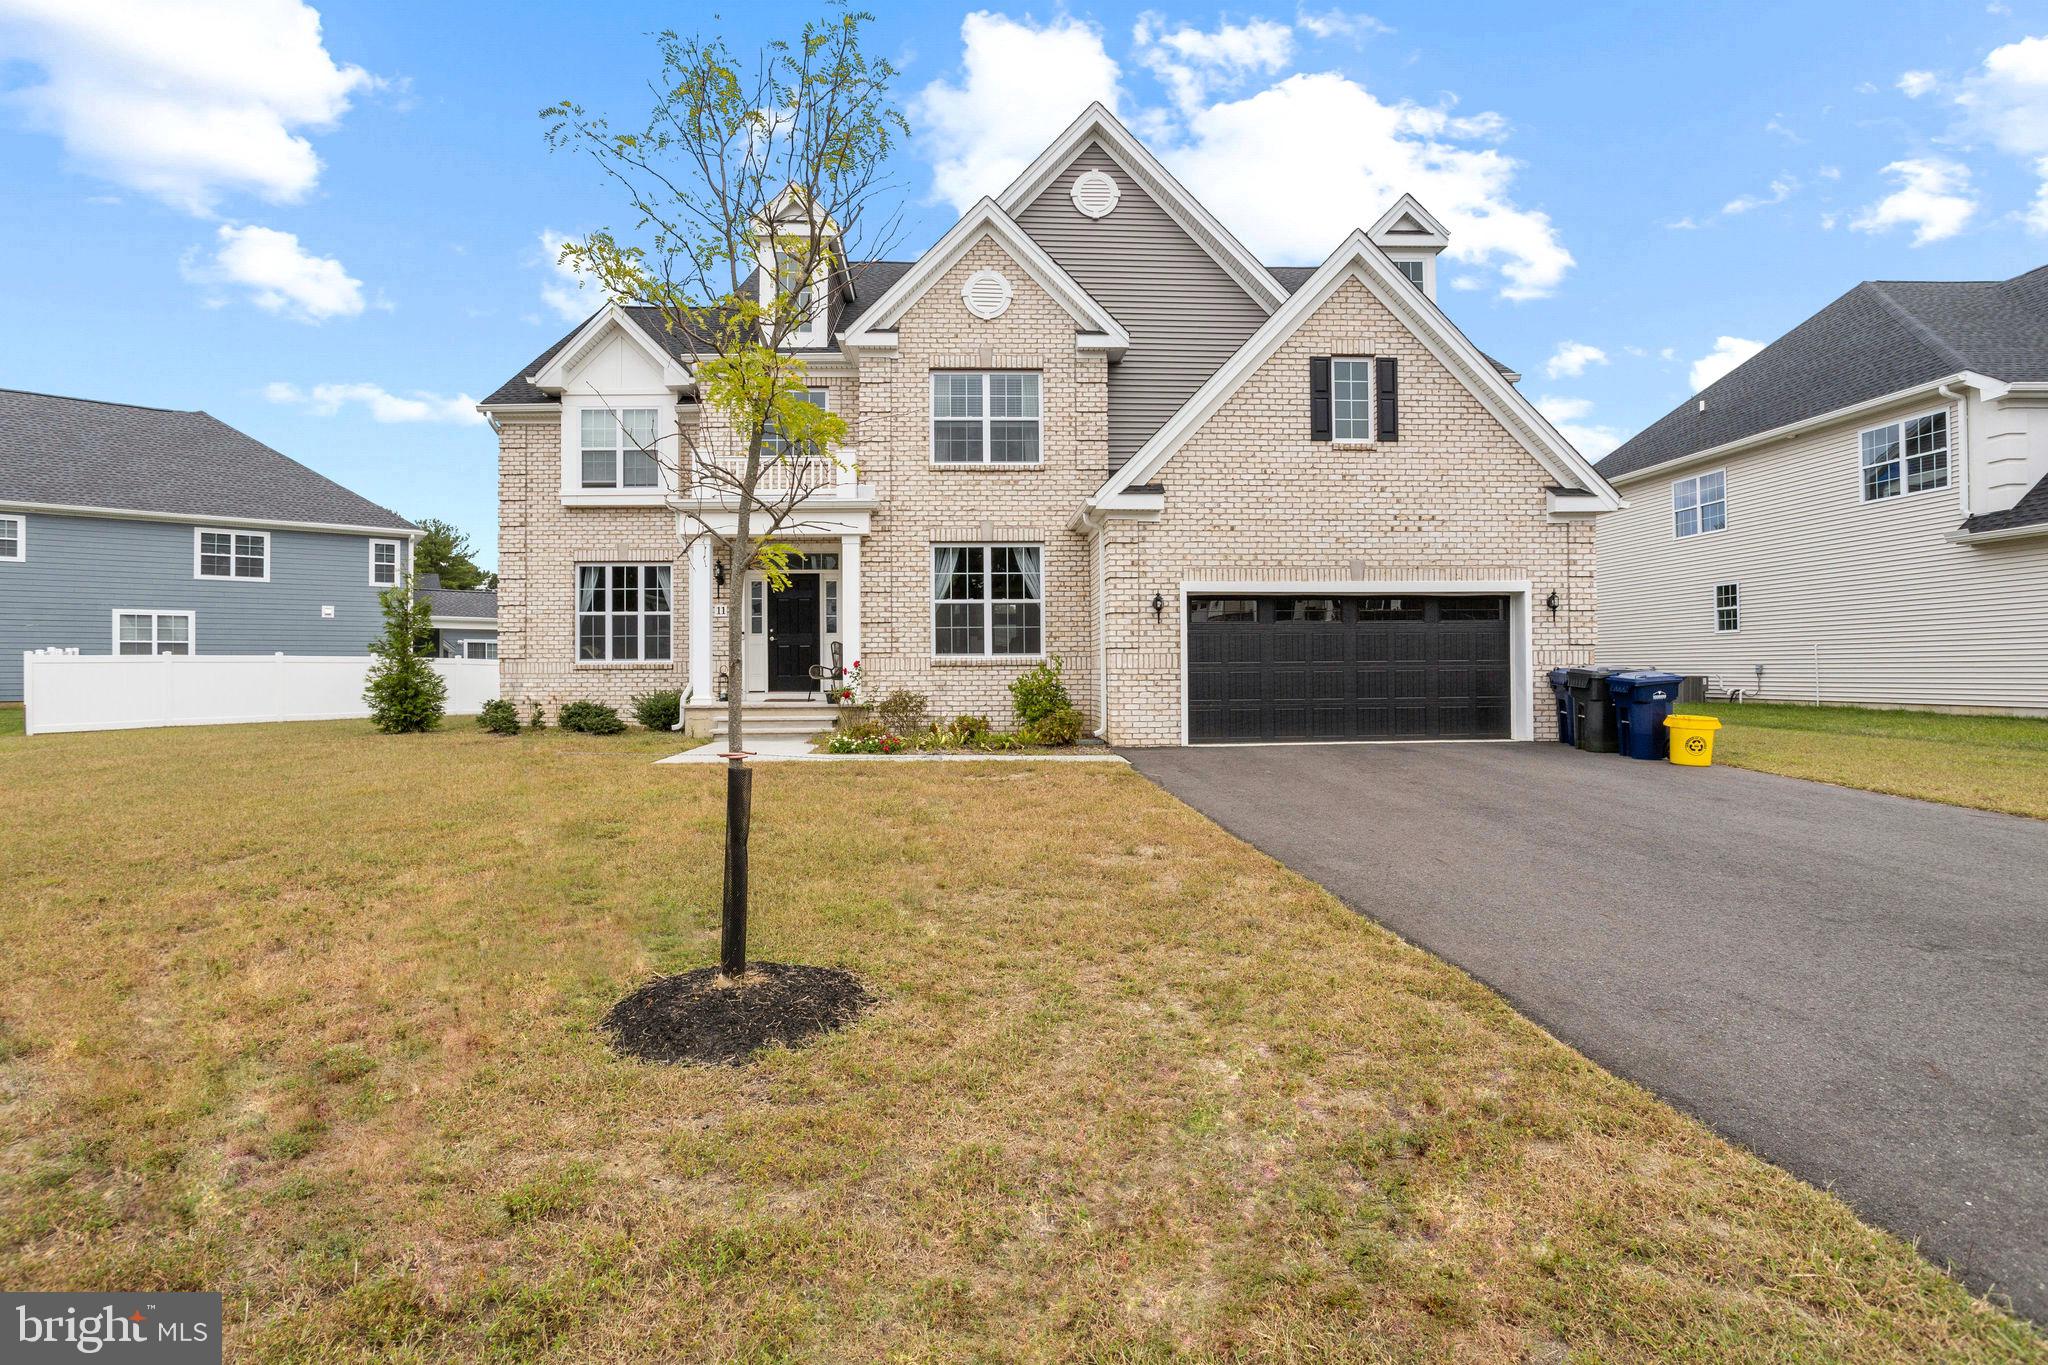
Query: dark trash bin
[
  {"x": 1563, "y": 693},
  {"x": 1592, "y": 709},
  {"x": 1641, "y": 701}
]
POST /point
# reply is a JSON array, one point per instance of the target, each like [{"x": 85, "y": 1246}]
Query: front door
[{"x": 793, "y": 635}]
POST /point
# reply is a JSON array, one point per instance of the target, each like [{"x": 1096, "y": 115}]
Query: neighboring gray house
[
  {"x": 1859, "y": 513},
  {"x": 465, "y": 619},
  {"x": 139, "y": 530}
]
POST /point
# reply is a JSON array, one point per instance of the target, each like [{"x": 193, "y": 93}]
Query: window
[
  {"x": 1412, "y": 268},
  {"x": 479, "y": 649},
  {"x": 1905, "y": 457},
  {"x": 1350, "y": 398},
  {"x": 986, "y": 600},
  {"x": 1469, "y": 609},
  {"x": 1223, "y": 610},
  {"x": 231, "y": 554},
  {"x": 13, "y": 538},
  {"x": 757, "y": 607},
  {"x": 383, "y": 563},
  {"x": 1699, "y": 504},
  {"x": 1391, "y": 609},
  {"x": 1323, "y": 609},
  {"x": 1727, "y": 606},
  {"x": 622, "y": 613},
  {"x": 774, "y": 447},
  {"x": 831, "y": 606},
  {"x": 153, "y": 632},
  {"x": 984, "y": 418},
  {"x": 618, "y": 449}
]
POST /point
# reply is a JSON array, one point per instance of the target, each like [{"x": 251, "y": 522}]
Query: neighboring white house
[{"x": 1859, "y": 513}]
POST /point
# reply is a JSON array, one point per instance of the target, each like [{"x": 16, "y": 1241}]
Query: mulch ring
[{"x": 701, "y": 1016}]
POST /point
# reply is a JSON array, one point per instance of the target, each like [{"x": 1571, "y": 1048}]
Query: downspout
[
  {"x": 1101, "y": 642},
  {"x": 1962, "y": 403}
]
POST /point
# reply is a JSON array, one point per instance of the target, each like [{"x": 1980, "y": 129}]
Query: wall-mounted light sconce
[
  {"x": 718, "y": 571},
  {"x": 724, "y": 692},
  {"x": 1551, "y": 602},
  {"x": 1158, "y": 606}
]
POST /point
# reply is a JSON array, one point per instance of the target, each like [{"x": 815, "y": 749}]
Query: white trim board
[
  {"x": 554, "y": 376},
  {"x": 1359, "y": 259},
  {"x": 65, "y": 509}
]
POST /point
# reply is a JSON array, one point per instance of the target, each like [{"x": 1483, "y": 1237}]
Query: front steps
[{"x": 707, "y": 719}]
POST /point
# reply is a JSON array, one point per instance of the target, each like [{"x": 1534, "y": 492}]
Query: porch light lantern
[
  {"x": 1551, "y": 602},
  {"x": 718, "y": 571},
  {"x": 724, "y": 689},
  {"x": 1158, "y": 606}
]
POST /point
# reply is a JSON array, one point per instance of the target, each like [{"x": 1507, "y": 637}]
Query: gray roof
[
  {"x": 465, "y": 602},
  {"x": 1880, "y": 337},
  {"x": 1293, "y": 277},
  {"x": 75, "y": 452},
  {"x": 2031, "y": 510}
]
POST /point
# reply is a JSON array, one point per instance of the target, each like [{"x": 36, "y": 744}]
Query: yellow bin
[{"x": 1692, "y": 740}]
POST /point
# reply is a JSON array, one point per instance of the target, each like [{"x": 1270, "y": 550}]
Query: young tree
[
  {"x": 747, "y": 183},
  {"x": 444, "y": 549},
  {"x": 404, "y": 693}
]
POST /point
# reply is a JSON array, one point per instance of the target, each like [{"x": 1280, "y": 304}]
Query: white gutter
[
  {"x": 1961, "y": 537},
  {"x": 204, "y": 519}
]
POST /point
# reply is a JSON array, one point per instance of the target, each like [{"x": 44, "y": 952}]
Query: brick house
[{"x": 1239, "y": 502}]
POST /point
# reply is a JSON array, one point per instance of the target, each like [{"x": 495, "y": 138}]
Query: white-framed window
[
  {"x": 385, "y": 557},
  {"x": 154, "y": 632},
  {"x": 479, "y": 649},
  {"x": 617, "y": 449},
  {"x": 1727, "y": 607},
  {"x": 13, "y": 538},
  {"x": 812, "y": 306},
  {"x": 831, "y": 606},
  {"x": 623, "y": 613},
  {"x": 985, "y": 417},
  {"x": 757, "y": 607},
  {"x": 243, "y": 555},
  {"x": 1905, "y": 457},
  {"x": 1699, "y": 504},
  {"x": 1412, "y": 268},
  {"x": 988, "y": 600},
  {"x": 1350, "y": 398},
  {"x": 774, "y": 446}
]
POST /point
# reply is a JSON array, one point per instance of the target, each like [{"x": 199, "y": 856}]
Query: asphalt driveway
[{"x": 1853, "y": 985}]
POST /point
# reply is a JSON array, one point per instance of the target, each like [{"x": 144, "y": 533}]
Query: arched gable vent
[
  {"x": 986, "y": 293},
  {"x": 1095, "y": 193}
]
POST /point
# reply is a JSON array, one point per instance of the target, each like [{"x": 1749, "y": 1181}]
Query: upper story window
[
  {"x": 384, "y": 556},
  {"x": 1905, "y": 457},
  {"x": 153, "y": 632},
  {"x": 1351, "y": 398},
  {"x": 622, "y": 613},
  {"x": 618, "y": 448},
  {"x": 1412, "y": 268},
  {"x": 985, "y": 418},
  {"x": 231, "y": 554},
  {"x": 775, "y": 446},
  {"x": 1699, "y": 504},
  {"x": 13, "y": 538}
]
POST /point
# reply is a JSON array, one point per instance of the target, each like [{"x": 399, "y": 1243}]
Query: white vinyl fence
[{"x": 65, "y": 691}]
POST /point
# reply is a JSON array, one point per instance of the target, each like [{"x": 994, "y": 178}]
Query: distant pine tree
[{"x": 443, "y": 549}]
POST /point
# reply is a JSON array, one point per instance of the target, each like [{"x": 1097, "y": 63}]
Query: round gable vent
[
  {"x": 986, "y": 293},
  {"x": 1095, "y": 193}
]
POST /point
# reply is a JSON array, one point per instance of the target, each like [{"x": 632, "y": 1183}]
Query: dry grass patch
[{"x": 309, "y": 1016}]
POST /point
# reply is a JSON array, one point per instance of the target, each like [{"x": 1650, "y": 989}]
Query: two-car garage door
[{"x": 1297, "y": 668}]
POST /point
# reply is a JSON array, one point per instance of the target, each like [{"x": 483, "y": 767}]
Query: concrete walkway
[{"x": 1853, "y": 985}]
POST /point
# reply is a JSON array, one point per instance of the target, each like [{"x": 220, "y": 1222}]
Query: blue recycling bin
[
  {"x": 1563, "y": 693},
  {"x": 1641, "y": 701}
]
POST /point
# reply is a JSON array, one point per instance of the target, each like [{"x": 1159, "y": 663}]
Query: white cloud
[
  {"x": 1728, "y": 352},
  {"x": 1193, "y": 63},
  {"x": 2008, "y": 102},
  {"x": 325, "y": 400},
  {"x": 1775, "y": 124},
  {"x": 1572, "y": 358},
  {"x": 183, "y": 99},
  {"x": 1337, "y": 23},
  {"x": 1914, "y": 84},
  {"x": 1568, "y": 414},
  {"x": 567, "y": 292},
  {"x": 1782, "y": 189},
  {"x": 1685, "y": 224},
  {"x": 1933, "y": 198},
  {"x": 280, "y": 275},
  {"x": 1289, "y": 196}
]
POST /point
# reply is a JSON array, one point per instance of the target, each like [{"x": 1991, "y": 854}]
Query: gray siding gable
[
  {"x": 81, "y": 570},
  {"x": 1185, "y": 314}
]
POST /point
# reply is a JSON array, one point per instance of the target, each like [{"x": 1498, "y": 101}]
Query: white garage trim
[{"x": 1521, "y": 643}]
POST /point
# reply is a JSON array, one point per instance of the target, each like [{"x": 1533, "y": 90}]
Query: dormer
[
  {"x": 1412, "y": 238},
  {"x": 782, "y": 239}
]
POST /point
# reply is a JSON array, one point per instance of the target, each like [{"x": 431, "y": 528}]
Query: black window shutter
[
  {"x": 1319, "y": 398},
  {"x": 1384, "y": 387}
]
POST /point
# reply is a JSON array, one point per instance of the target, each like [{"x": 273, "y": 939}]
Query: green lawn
[
  {"x": 12, "y": 718},
  {"x": 306, "y": 1015},
  {"x": 1990, "y": 762}
]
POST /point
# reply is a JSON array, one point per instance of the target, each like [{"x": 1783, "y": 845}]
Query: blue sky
[{"x": 324, "y": 225}]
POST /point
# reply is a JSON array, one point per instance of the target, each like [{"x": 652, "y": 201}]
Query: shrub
[
  {"x": 589, "y": 718},
  {"x": 1040, "y": 692},
  {"x": 537, "y": 719},
  {"x": 658, "y": 710},
  {"x": 972, "y": 729},
  {"x": 500, "y": 717},
  {"x": 1058, "y": 728},
  {"x": 903, "y": 712},
  {"x": 404, "y": 693}
]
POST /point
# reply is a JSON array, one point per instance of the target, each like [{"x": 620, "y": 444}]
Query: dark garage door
[{"x": 1322, "y": 668}]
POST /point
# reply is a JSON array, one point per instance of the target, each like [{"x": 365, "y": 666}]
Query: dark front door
[
  {"x": 1275, "y": 669},
  {"x": 793, "y": 635}
]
